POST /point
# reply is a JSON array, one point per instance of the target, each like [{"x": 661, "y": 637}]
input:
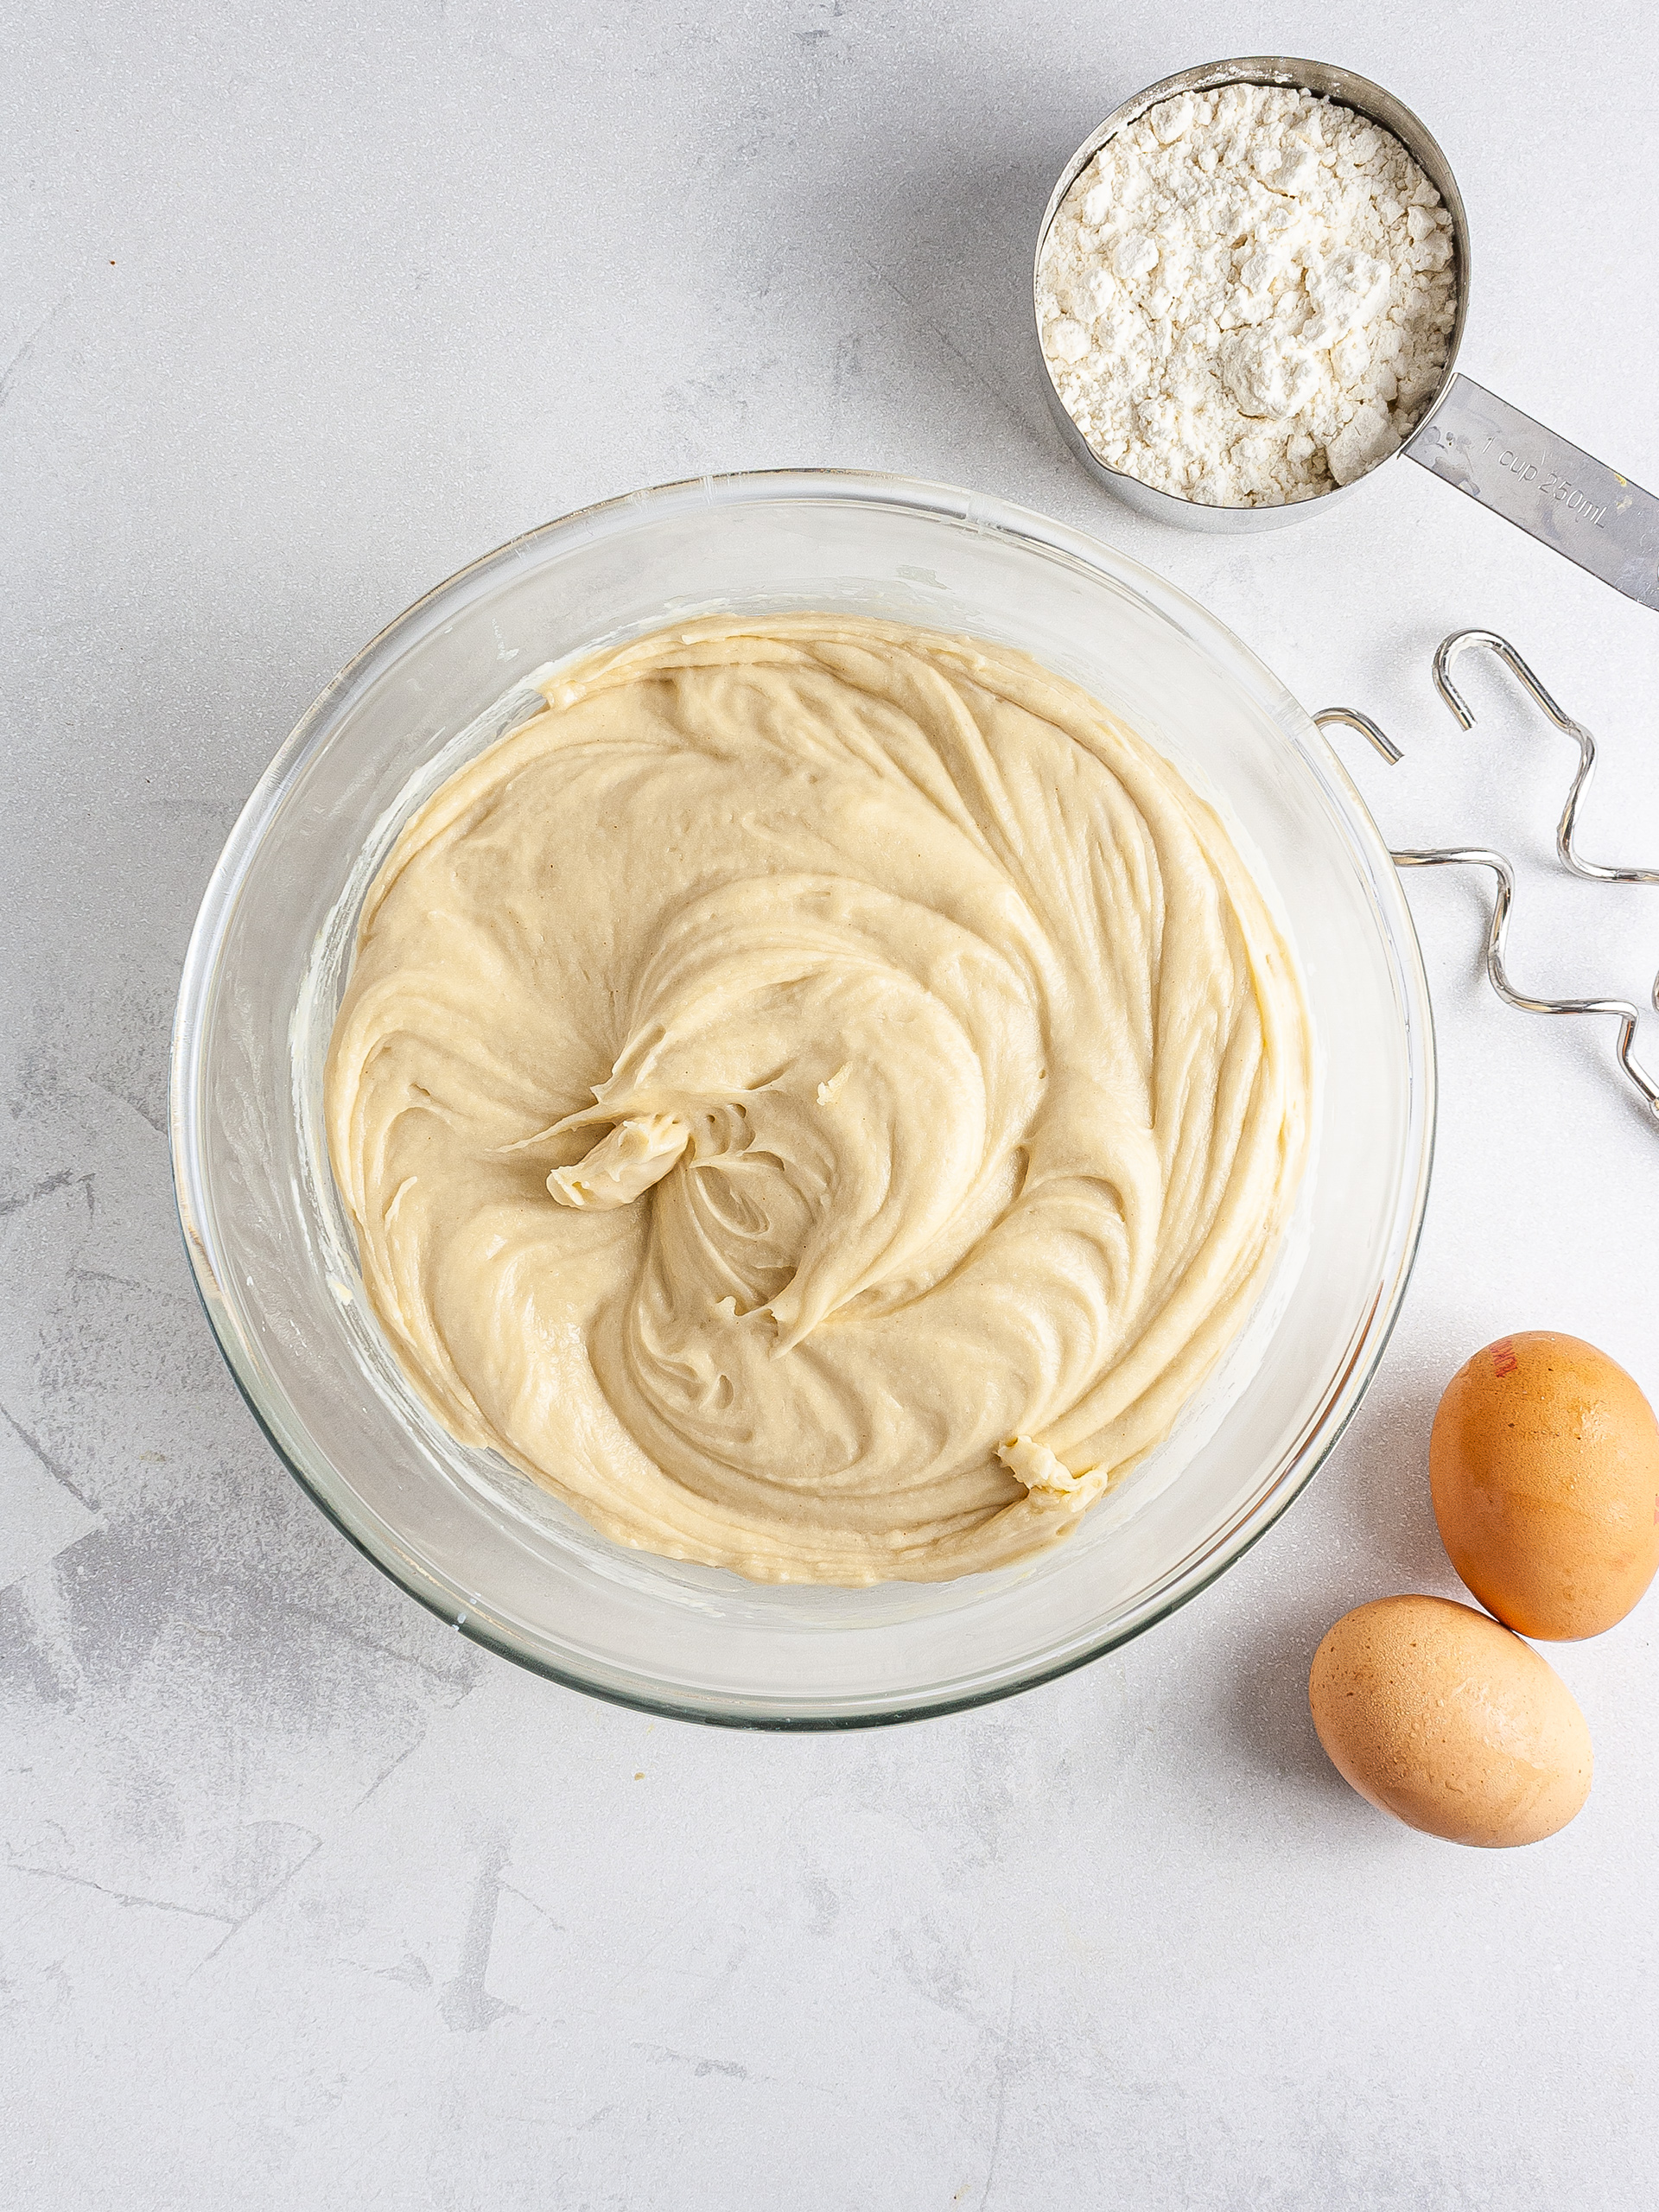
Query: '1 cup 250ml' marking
[{"x": 1550, "y": 482}]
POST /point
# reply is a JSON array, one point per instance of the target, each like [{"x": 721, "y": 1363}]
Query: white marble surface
[{"x": 308, "y": 1903}]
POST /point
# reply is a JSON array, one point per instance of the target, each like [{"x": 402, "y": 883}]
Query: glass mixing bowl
[{"x": 275, "y": 1258}]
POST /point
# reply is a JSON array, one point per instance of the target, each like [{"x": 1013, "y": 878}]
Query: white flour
[{"x": 1246, "y": 296}]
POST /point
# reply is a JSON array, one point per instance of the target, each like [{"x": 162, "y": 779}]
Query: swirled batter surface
[{"x": 819, "y": 1098}]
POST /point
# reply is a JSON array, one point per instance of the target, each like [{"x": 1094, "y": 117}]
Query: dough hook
[{"x": 1450, "y": 650}]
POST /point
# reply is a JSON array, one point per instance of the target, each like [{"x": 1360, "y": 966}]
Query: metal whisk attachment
[{"x": 1450, "y": 650}]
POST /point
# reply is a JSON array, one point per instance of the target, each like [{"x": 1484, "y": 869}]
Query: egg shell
[
  {"x": 1544, "y": 1463},
  {"x": 1441, "y": 1717}
]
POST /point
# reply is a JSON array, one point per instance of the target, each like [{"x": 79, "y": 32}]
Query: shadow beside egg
[{"x": 1366, "y": 1530}]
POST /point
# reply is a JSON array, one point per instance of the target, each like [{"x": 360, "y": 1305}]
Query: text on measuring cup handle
[{"x": 1552, "y": 485}]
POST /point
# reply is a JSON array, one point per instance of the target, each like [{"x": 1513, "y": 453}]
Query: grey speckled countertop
[{"x": 305, "y": 1901}]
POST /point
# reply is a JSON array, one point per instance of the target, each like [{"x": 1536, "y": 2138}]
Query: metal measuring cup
[{"x": 1468, "y": 436}]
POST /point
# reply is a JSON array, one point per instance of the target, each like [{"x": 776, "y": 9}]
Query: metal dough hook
[
  {"x": 1452, "y": 650},
  {"x": 1627, "y": 1015}
]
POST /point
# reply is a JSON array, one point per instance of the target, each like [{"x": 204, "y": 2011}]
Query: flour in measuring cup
[{"x": 1246, "y": 297}]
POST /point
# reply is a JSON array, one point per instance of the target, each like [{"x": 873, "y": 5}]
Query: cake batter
[{"x": 819, "y": 1098}]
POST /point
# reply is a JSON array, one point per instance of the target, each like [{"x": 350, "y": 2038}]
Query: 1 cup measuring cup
[{"x": 1468, "y": 435}]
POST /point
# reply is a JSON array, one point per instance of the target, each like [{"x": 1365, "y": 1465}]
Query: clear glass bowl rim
[{"x": 980, "y": 511}]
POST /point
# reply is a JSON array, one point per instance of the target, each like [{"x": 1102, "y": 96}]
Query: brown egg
[
  {"x": 1440, "y": 1717},
  {"x": 1544, "y": 1463}
]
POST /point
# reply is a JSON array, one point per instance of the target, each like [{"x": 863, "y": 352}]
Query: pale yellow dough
[{"x": 819, "y": 1098}]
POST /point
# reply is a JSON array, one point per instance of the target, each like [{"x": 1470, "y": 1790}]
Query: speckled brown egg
[
  {"x": 1439, "y": 1716},
  {"x": 1544, "y": 1463}
]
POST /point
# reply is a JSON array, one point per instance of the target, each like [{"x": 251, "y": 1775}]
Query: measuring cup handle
[{"x": 1556, "y": 494}]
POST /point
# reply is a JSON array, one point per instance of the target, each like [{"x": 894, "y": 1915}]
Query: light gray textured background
[{"x": 308, "y": 1903}]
